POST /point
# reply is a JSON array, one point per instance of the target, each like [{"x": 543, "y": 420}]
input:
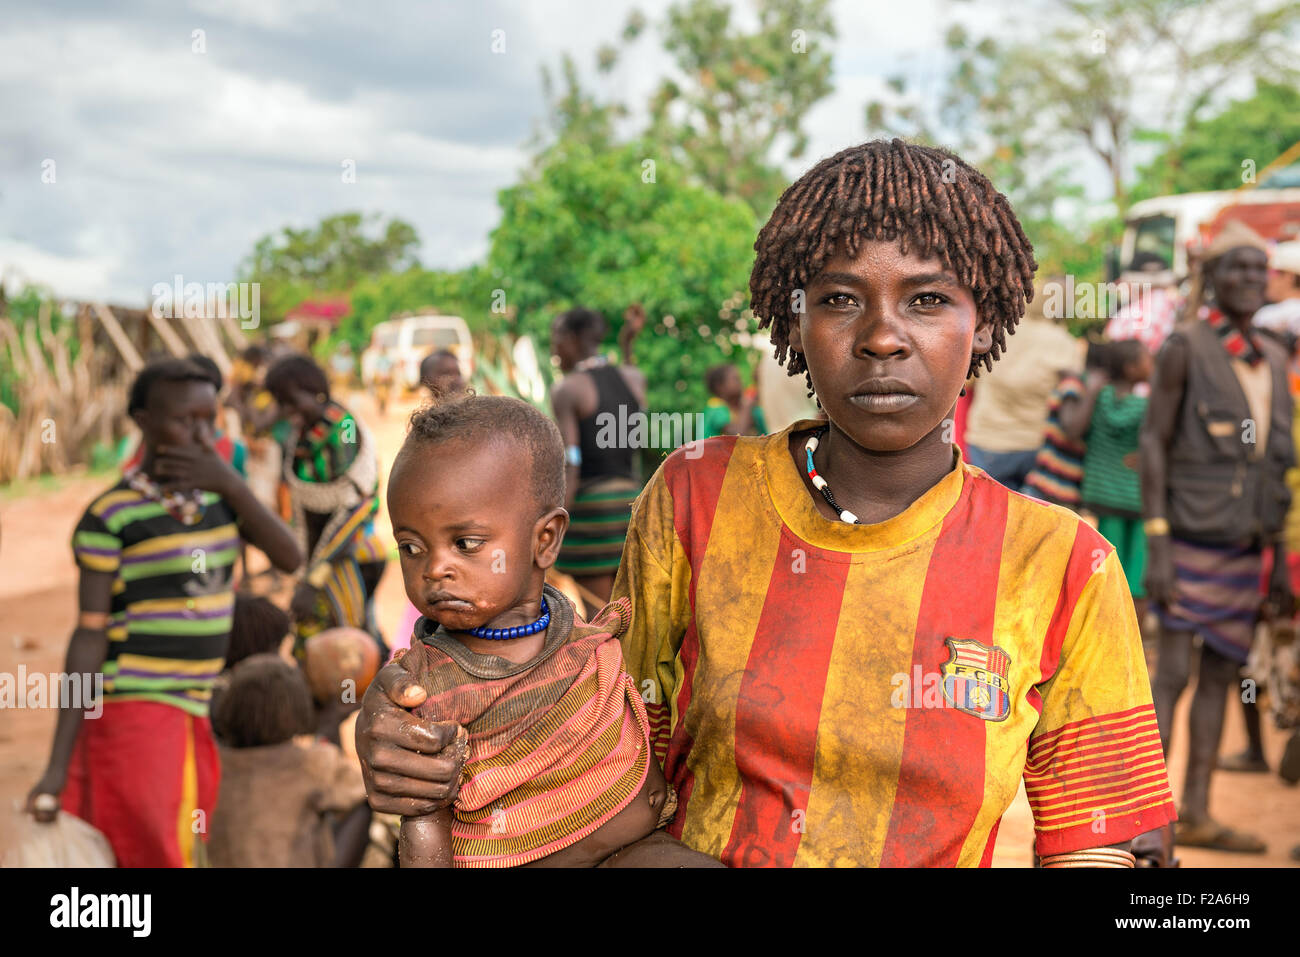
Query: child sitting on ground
[
  {"x": 280, "y": 788},
  {"x": 258, "y": 626},
  {"x": 557, "y": 768}
]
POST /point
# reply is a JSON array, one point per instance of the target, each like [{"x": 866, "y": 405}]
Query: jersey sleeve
[
  {"x": 1095, "y": 774},
  {"x": 655, "y": 577},
  {"x": 94, "y": 546}
]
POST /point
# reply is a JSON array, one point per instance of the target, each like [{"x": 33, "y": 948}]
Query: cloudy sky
[{"x": 172, "y": 152}]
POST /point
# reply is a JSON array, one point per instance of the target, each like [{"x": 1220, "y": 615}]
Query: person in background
[
  {"x": 332, "y": 471},
  {"x": 602, "y": 478},
  {"x": 1106, "y": 420},
  {"x": 156, "y": 554},
  {"x": 1282, "y": 314},
  {"x": 286, "y": 799},
  {"x": 730, "y": 410},
  {"x": 1214, "y": 450},
  {"x": 258, "y": 626},
  {"x": 1282, "y": 318},
  {"x": 1058, "y": 469},
  {"x": 257, "y": 414},
  {"x": 382, "y": 386},
  {"x": 440, "y": 374},
  {"x": 1150, "y": 306},
  {"x": 1008, "y": 414},
  {"x": 228, "y": 445},
  {"x": 342, "y": 367}
]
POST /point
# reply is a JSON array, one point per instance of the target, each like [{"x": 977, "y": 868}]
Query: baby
[{"x": 557, "y": 767}]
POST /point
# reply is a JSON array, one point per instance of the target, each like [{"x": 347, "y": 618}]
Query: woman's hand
[
  {"x": 39, "y": 804},
  {"x": 186, "y": 467},
  {"x": 303, "y": 604},
  {"x": 411, "y": 767},
  {"x": 1280, "y": 598},
  {"x": 1159, "y": 577}
]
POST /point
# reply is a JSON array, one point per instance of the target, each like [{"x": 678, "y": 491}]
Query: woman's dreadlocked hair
[{"x": 928, "y": 200}]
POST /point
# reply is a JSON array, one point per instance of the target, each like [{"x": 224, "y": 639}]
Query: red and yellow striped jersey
[{"x": 829, "y": 694}]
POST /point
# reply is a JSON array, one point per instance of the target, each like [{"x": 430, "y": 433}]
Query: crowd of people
[
  {"x": 723, "y": 686},
  {"x": 1177, "y": 441}
]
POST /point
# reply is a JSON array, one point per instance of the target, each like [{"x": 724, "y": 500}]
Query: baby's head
[
  {"x": 476, "y": 498},
  {"x": 267, "y": 703}
]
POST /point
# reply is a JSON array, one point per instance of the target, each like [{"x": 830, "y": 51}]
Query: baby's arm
[
  {"x": 632, "y": 837},
  {"x": 425, "y": 841}
]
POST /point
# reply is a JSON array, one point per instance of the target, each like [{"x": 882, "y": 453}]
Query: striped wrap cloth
[{"x": 557, "y": 746}]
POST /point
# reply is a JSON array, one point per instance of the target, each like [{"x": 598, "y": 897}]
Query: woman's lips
[{"x": 884, "y": 402}]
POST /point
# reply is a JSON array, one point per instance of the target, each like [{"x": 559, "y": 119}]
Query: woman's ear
[
  {"x": 983, "y": 340},
  {"x": 549, "y": 535},
  {"x": 795, "y": 336}
]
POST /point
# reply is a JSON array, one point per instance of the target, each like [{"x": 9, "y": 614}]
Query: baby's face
[{"x": 468, "y": 531}]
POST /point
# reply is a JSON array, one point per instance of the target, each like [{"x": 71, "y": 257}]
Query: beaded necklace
[
  {"x": 186, "y": 506},
  {"x": 819, "y": 483},
  {"x": 519, "y": 631}
]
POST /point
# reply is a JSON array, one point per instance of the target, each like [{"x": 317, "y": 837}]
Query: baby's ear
[{"x": 549, "y": 536}]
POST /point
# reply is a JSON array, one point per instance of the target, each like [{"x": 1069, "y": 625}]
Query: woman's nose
[{"x": 878, "y": 335}]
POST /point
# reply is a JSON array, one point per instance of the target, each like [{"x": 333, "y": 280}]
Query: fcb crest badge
[{"x": 975, "y": 679}]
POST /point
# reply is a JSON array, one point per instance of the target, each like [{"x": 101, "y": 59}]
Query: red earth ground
[{"x": 38, "y": 607}]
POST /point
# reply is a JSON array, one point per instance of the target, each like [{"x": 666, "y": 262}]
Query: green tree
[
  {"x": 738, "y": 106},
  {"x": 1104, "y": 75},
  {"x": 330, "y": 256},
  {"x": 1208, "y": 153},
  {"x": 603, "y": 230},
  {"x": 732, "y": 108}
]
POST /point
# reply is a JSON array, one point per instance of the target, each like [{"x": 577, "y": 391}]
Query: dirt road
[{"x": 38, "y": 607}]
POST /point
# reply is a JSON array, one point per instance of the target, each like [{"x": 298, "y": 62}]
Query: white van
[{"x": 406, "y": 341}]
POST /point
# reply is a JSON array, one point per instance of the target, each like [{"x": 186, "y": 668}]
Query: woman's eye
[
  {"x": 930, "y": 299},
  {"x": 838, "y": 299}
]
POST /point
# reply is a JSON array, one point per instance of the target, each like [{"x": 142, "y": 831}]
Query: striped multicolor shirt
[
  {"x": 831, "y": 694},
  {"x": 1058, "y": 469},
  {"x": 1109, "y": 484},
  {"x": 169, "y": 622}
]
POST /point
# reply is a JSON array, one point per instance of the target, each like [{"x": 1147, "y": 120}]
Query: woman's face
[
  {"x": 299, "y": 406},
  {"x": 888, "y": 339},
  {"x": 178, "y": 414}
]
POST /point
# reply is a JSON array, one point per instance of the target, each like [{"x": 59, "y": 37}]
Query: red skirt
[{"x": 146, "y": 775}]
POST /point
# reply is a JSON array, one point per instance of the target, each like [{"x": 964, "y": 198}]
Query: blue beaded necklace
[{"x": 518, "y": 631}]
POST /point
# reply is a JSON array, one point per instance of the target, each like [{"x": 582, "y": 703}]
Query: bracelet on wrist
[{"x": 1155, "y": 527}]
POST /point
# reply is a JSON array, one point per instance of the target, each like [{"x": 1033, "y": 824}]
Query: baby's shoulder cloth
[{"x": 614, "y": 620}]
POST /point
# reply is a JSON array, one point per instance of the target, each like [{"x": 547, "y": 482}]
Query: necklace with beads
[
  {"x": 591, "y": 362},
  {"x": 819, "y": 483},
  {"x": 519, "y": 631}
]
